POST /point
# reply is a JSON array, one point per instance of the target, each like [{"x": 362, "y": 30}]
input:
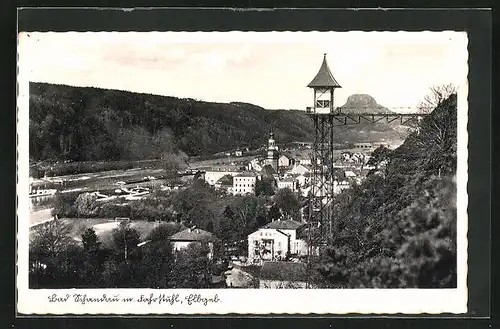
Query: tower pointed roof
[{"x": 324, "y": 78}]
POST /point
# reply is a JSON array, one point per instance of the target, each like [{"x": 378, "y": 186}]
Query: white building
[
  {"x": 366, "y": 145},
  {"x": 298, "y": 169},
  {"x": 275, "y": 240},
  {"x": 212, "y": 176},
  {"x": 339, "y": 186},
  {"x": 304, "y": 179},
  {"x": 189, "y": 236},
  {"x": 350, "y": 174},
  {"x": 244, "y": 183},
  {"x": 288, "y": 182},
  {"x": 285, "y": 161},
  {"x": 255, "y": 165},
  {"x": 305, "y": 161}
]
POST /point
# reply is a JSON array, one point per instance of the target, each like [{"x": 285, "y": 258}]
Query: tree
[
  {"x": 247, "y": 209},
  {"x": 264, "y": 187},
  {"x": 125, "y": 239},
  {"x": 274, "y": 213},
  {"x": 435, "y": 97},
  {"x": 86, "y": 205},
  {"x": 429, "y": 250},
  {"x": 379, "y": 158},
  {"x": 64, "y": 205},
  {"x": 154, "y": 267},
  {"x": 192, "y": 268},
  {"x": 173, "y": 163},
  {"x": 164, "y": 141},
  {"x": 51, "y": 238},
  {"x": 199, "y": 204},
  {"x": 137, "y": 143},
  {"x": 92, "y": 266},
  {"x": 163, "y": 232},
  {"x": 54, "y": 258},
  {"x": 228, "y": 212},
  {"x": 288, "y": 203},
  {"x": 90, "y": 241},
  {"x": 225, "y": 228}
]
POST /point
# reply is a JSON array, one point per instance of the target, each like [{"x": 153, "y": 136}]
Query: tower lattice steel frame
[{"x": 325, "y": 117}]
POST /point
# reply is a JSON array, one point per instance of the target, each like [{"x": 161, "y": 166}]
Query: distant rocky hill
[
  {"x": 80, "y": 124},
  {"x": 363, "y": 103}
]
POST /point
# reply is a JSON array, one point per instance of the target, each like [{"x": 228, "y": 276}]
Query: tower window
[{"x": 322, "y": 103}]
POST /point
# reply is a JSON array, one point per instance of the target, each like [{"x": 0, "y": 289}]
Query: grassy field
[{"x": 104, "y": 228}]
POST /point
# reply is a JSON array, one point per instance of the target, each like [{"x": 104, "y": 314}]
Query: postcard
[{"x": 242, "y": 172}]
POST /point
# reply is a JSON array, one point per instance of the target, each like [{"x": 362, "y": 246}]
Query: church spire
[{"x": 272, "y": 151}]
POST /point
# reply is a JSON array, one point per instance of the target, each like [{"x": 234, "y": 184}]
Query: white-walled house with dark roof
[
  {"x": 193, "y": 235},
  {"x": 298, "y": 169},
  {"x": 275, "y": 240}
]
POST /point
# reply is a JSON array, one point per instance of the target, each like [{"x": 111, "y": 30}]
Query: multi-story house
[
  {"x": 276, "y": 240},
  {"x": 244, "y": 183}
]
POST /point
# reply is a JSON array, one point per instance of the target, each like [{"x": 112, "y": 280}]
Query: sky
[{"x": 269, "y": 69}]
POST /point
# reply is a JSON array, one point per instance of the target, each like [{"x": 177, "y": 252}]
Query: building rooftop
[
  {"x": 192, "y": 234},
  {"x": 287, "y": 180},
  {"x": 268, "y": 170},
  {"x": 283, "y": 225},
  {"x": 286, "y": 154},
  {"x": 230, "y": 168},
  {"x": 324, "y": 78},
  {"x": 284, "y": 271},
  {"x": 225, "y": 180},
  {"x": 246, "y": 174},
  {"x": 349, "y": 173}
]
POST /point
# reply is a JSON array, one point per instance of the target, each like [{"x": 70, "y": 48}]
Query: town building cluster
[
  {"x": 283, "y": 170},
  {"x": 282, "y": 239}
]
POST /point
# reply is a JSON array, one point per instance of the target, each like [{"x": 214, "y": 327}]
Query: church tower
[{"x": 272, "y": 152}]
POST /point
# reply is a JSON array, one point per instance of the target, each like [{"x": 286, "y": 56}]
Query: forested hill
[
  {"x": 398, "y": 228},
  {"x": 79, "y": 124}
]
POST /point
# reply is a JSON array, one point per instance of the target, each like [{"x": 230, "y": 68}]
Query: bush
[
  {"x": 86, "y": 205},
  {"x": 111, "y": 210},
  {"x": 64, "y": 204},
  {"x": 141, "y": 210}
]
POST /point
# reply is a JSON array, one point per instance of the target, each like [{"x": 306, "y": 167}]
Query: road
[
  {"x": 40, "y": 216},
  {"x": 238, "y": 279}
]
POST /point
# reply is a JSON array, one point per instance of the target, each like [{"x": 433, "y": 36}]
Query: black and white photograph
[{"x": 161, "y": 170}]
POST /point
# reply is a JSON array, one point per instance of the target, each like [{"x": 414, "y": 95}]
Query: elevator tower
[{"x": 322, "y": 191}]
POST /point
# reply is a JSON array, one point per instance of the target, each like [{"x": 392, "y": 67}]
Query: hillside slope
[
  {"x": 96, "y": 124},
  {"x": 398, "y": 228}
]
